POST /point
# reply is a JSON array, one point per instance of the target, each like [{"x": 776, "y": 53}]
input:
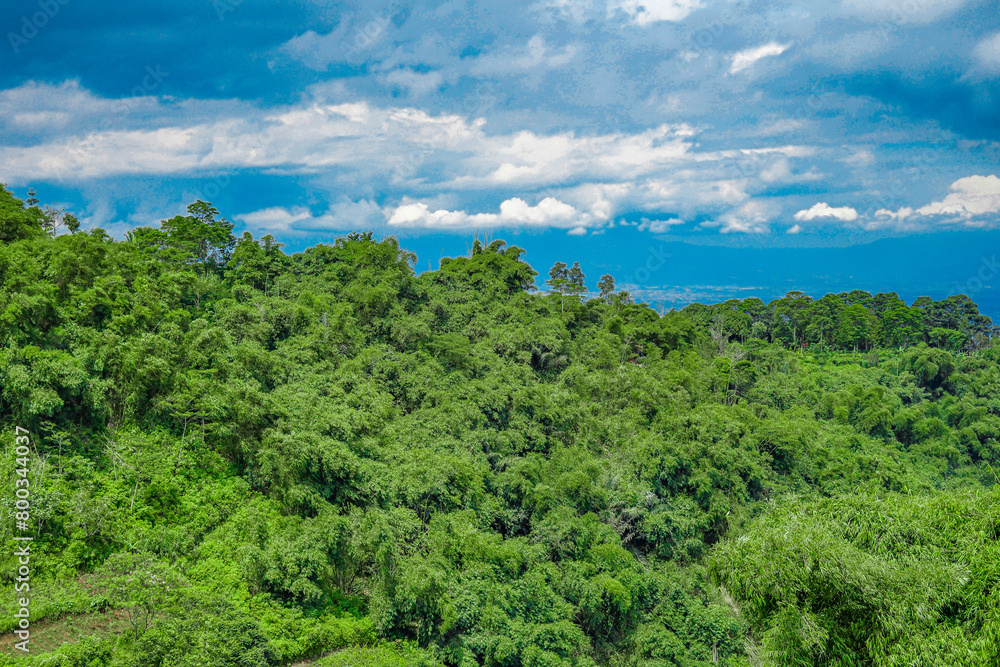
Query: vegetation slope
[{"x": 246, "y": 458}]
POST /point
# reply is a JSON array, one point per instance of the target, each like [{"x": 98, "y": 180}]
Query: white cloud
[
  {"x": 847, "y": 49},
  {"x": 303, "y": 139},
  {"x": 42, "y": 112},
  {"x": 744, "y": 59},
  {"x": 988, "y": 52},
  {"x": 730, "y": 192},
  {"x": 60, "y": 103},
  {"x": 787, "y": 151},
  {"x": 658, "y": 226},
  {"x": 780, "y": 171},
  {"x": 969, "y": 197},
  {"x": 342, "y": 216},
  {"x": 782, "y": 126},
  {"x": 369, "y": 142},
  {"x": 419, "y": 159},
  {"x": 356, "y": 38},
  {"x": 276, "y": 217},
  {"x": 417, "y": 83},
  {"x": 536, "y": 54},
  {"x": 514, "y": 212},
  {"x": 860, "y": 158},
  {"x": 896, "y": 216},
  {"x": 794, "y": 229},
  {"x": 527, "y": 158},
  {"x": 824, "y": 210},
  {"x": 645, "y": 12},
  {"x": 974, "y": 200},
  {"x": 750, "y": 218}
]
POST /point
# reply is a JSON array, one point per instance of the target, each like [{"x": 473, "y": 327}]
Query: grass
[{"x": 48, "y": 635}]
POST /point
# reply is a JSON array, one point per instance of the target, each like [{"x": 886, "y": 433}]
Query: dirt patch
[{"x": 48, "y": 635}]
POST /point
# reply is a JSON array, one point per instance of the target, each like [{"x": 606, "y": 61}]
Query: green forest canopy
[{"x": 243, "y": 457}]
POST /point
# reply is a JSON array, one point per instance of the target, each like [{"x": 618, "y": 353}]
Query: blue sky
[{"x": 756, "y": 146}]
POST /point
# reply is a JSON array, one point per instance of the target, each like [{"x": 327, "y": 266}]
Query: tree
[
  {"x": 790, "y": 311},
  {"x": 558, "y": 280},
  {"x": 823, "y": 316},
  {"x": 199, "y": 236},
  {"x": 575, "y": 285},
  {"x": 624, "y": 298},
  {"x": 868, "y": 579},
  {"x": 144, "y": 586},
  {"x": 204, "y": 630},
  {"x": 71, "y": 222},
  {"x": 16, "y": 221},
  {"x": 495, "y": 263},
  {"x": 607, "y": 287},
  {"x": 901, "y": 325},
  {"x": 858, "y": 328},
  {"x": 948, "y": 339},
  {"x": 565, "y": 281},
  {"x": 366, "y": 456},
  {"x": 56, "y": 218},
  {"x": 257, "y": 263}
]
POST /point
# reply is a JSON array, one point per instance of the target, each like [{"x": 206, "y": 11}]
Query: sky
[{"x": 697, "y": 150}]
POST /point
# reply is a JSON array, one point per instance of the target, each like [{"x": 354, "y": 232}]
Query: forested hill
[{"x": 245, "y": 458}]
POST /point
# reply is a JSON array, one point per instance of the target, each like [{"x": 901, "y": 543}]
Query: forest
[{"x": 240, "y": 457}]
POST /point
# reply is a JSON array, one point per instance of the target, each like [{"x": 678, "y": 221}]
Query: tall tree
[
  {"x": 205, "y": 238},
  {"x": 16, "y": 221},
  {"x": 606, "y": 285},
  {"x": 576, "y": 286},
  {"x": 858, "y": 328},
  {"x": 790, "y": 311},
  {"x": 558, "y": 280}
]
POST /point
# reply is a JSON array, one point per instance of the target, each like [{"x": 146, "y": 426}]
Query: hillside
[{"x": 240, "y": 457}]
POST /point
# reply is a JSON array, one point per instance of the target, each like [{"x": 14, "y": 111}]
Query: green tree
[
  {"x": 790, "y": 316},
  {"x": 200, "y": 236},
  {"x": 823, "y": 316},
  {"x": 559, "y": 280},
  {"x": 606, "y": 285},
  {"x": 575, "y": 285},
  {"x": 16, "y": 221},
  {"x": 143, "y": 585},
  {"x": 858, "y": 328},
  {"x": 258, "y": 263}
]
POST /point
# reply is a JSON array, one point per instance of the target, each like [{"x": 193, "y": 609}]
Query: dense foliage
[{"x": 247, "y": 458}]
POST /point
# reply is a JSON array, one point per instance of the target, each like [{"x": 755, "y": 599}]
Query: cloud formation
[
  {"x": 988, "y": 52},
  {"x": 752, "y": 217},
  {"x": 969, "y": 197},
  {"x": 645, "y": 12},
  {"x": 658, "y": 226},
  {"x": 344, "y": 215},
  {"x": 514, "y": 212},
  {"x": 824, "y": 210},
  {"x": 744, "y": 59},
  {"x": 659, "y": 110},
  {"x": 418, "y": 215},
  {"x": 973, "y": 201}
]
